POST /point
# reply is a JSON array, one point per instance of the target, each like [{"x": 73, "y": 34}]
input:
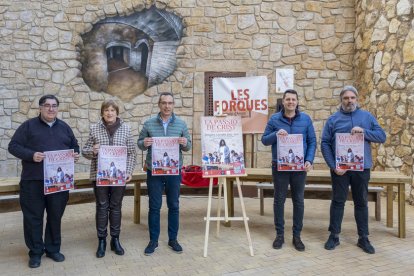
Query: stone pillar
[{"x": 384, "y": 71}]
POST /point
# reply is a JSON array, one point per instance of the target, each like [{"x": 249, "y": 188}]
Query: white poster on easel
[
  {"x": 246, "y": 97},
  {"x": 284, "y": 79},
  {"x": 222, "y": 146}
]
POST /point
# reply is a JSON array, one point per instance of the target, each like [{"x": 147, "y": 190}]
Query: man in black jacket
[{"x": 29, "y": 142}]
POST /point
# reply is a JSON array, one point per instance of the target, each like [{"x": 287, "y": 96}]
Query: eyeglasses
[{"x": 48, "y": 106}]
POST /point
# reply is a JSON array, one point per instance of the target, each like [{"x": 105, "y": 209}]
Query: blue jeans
[
  {"x": 340, "y": 189},
  {"x": 281, "y": 181},
  {"x": 156, "y": 186}
]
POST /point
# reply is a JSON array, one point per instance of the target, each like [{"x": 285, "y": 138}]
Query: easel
[{"x": 223, "y": 184}]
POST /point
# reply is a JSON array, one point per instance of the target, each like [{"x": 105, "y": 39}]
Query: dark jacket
[
  {"x": 300, "y": 124},
  {"x": 343, "y": 122},
  {"x": 34, "y": 135}
]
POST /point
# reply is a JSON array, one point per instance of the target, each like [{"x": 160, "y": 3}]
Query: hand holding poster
[
  {"x": 58, "y": 171},
  {"x": 290, "y": 155},
  {"x": 222, "y": 146},
  {"x": 350, "y": 151},
  {"x": 111, "y": 166},
  {"x": 165, "y": 156}
]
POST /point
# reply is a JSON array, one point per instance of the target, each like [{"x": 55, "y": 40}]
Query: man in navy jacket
[
  {"x": 350, "y": 119},
  {"x": 290, "y": 121},
  {"x": 31, "y": 139}
]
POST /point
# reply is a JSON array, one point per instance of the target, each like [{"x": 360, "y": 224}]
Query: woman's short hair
[{"x": 108, "y": 103}]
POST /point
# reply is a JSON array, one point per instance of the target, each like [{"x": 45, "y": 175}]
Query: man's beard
[{"x": 349, "y": 107}]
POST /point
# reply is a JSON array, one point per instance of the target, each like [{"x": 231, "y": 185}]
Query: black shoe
[
  {"x": 175, "y": 246},
  {"x": 332, "y": 242},
  {"x": 35, "y": 261},
  {"x": 278, "y": 242},
  {"x": 100, "y": 252},
  {"x": 365, "y": 245},
  {"x": 298, "y": 244},
  {"x": 116, "y": 246},
  {"x": 152, "y": 245},
  {"x": 57, "y": 257}
]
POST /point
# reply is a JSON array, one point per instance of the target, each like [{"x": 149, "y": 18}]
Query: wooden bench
[
  {"x": 316, "y": 191},
  {"x": 10, "y": 185},
  {"x": 386, "y": 179}
]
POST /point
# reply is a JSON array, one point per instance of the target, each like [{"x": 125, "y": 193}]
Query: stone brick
[
  {"x": 320, "y": 83},
  {"x": 110, "y": 10},
  {"x": 322, "y": 114},
  {"x": 313, "y": 6},
  {"x": 241, "y": 44},
  {"x": 287, "y": 23},
  {"x": 312, "y": 63},
  {"x": 394, "y": 25},
  {"x": 344, "y": 48},
  {"x": 245, "y": 21},
  {"x": 5, "y": 122},
  {"x": 260, "y": 41},
  {"x": 408, "y": 53},
  {"x": 378, "y": 35},
  {"x": 297, "y": 39},
  {"x": 326, "y": 30},
  {"x": 404, "y": 7},
  {"x": 329, "y": 44},
  {"x": 275, "y": 52}
]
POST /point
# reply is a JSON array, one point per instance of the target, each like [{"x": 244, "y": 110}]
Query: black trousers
[
  {"x": 108, "y": 206},
  {"x": 281, "y": 181},
  {"x": 33, "y": 204},
  {"x": 340, "y": 189}
]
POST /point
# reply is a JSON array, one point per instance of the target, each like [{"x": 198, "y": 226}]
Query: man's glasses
[{"x": 50, "y": 106}]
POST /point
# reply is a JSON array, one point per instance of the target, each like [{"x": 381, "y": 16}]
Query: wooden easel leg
[
  {"x": 226, "y": 206},
  {"x": 245, "y": 218},
  {"x": 210, "y": 193},
  {"x": 220, "y": 184}
]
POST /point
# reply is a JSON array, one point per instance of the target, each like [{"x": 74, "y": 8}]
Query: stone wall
[
  {"x": 384, "y": 70},
  {"x": 40, "y": 43}
]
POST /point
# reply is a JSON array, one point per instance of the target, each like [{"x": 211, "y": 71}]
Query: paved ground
[{"x": 227, "y": 255}]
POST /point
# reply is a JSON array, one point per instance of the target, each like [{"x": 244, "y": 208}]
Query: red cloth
[{"x": 193, "y": 176}]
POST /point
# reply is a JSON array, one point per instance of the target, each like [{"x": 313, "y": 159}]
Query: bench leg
[
  {"x": 137, "y": 203},
  {"x": 401, "y": 210},
  {"x": 390, "y": 210},
  {"x": 378, "y": 207},
  {"x": 261, "y": 197},
  {"x": 230, "y": 201}
]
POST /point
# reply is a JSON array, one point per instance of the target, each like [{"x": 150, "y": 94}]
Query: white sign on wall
[{"x": 284, "y": 79}]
